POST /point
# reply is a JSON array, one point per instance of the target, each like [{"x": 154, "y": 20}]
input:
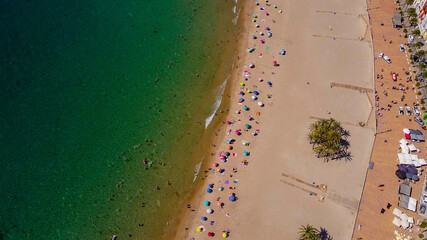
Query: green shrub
[
  {"x": 418, "y": 84},
  {"x": 419, "y": 93},
  {"x": 422, "y": 101},
  {"x": 421, "y": 235},
  {"x": 405, "y": 30},
  {"x": 423, "y": 108}
]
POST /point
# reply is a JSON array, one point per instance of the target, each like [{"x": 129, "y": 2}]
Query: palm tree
[
  {"x": 413, "y": 21},
  {"x": 327, "y": 137},
  {"x": 308, "y": 233},
  {"x": 416, "y": 32}
]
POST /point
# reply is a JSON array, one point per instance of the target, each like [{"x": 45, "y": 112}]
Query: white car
[
  {"x": 408, "y": 111},
  {"x": 402, "y": 47},
  {"x": 387, "y": 59},
  {"x": 410, "y": 38},
  {"x": 401, "y": 111},
  {"x": 425, "y": 198},
  {"x": 416, "y": 111},
  {"x": 381, "y": 55}
]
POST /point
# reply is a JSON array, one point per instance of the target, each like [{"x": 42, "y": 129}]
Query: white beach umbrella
[
  {"x": 260, "y": 104},
  {"x": 405, "y": 130}
]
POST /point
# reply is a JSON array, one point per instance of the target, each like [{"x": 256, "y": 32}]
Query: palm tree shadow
[{"x": 324, "y": 235}]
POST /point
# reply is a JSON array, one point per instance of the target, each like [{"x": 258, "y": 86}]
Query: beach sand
[
  {"x": 375, "y": 225},
  {"x": 273, "y": 188}
]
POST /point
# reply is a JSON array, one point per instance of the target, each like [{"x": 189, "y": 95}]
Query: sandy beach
[{"x": 327, "y": 71}]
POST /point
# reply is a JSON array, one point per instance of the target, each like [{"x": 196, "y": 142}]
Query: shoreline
[
  {"x": 267, "y": 163},
  {"x": 219, "y": 116}
]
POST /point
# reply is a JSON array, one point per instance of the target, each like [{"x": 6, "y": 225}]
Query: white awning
[
  {"x": 397, "y": 222},
  {"x": 412, "y": 148},
  {"x": 397, "y": 212},
  {"x": 403, "y": 141},
  {"x": 412, "y": 205},
  {"x": 416, "y": 163},
  {"x": 404, "y": 148},
  {"x": 404, "y": 158},
  {"x": 422, "y": 162}
]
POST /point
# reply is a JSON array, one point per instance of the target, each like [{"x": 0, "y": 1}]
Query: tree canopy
[
  {"x": 328, "y": 138},
  {"x": 308, "y": 232}
]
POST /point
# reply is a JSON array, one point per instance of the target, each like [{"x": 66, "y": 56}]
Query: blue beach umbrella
[
  {"x": 242, "y": 93},
  {"x": 255, "y": 16},
  {"x": 204, "y": 218},
  {"x": 241, "y": 100},
  {"x": 248, "y": 126},
  {"x": 232, "y": 198},
  {"x": 256, "y": 93},
  {"x": 269, "y": 83},
  {"x": 206, "y": 203},
  {"x": 246, "y": 153},
  {"x": 253, "y": 37},
  {"x": 210, "y": 185}
]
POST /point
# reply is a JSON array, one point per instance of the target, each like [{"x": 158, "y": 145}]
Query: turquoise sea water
[{"x": 88, "y": 90}]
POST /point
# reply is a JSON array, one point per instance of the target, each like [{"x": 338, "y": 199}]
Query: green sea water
[{"x": 88, "y": 90}]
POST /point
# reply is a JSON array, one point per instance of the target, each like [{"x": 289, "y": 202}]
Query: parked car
[
  {"x": 424, "y": 198},
  {"x": 416, "y": 111},
  {"x": 422, "y": 209},
  {"x": 387, "y": 59},
  {"x": 402, "y": 47},
  {"x": 381, "y": 55},
  {"x": 394, "y": 76},
  {"x": 401, "y": 111},
  {"x": 410, "y": 38},
  {"x": 408, "y": 111},
  {"x": 419, "y": 121}
]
